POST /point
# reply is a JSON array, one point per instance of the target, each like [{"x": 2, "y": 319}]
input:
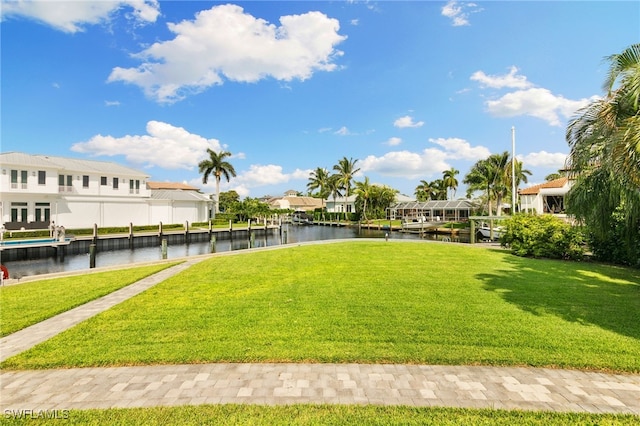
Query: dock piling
[{"x": 92, "y": 256}]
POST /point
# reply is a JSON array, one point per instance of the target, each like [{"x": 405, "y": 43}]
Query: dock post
[
  {"x": 284, "y": 237},
  {"x": 164, "y": 248},
  {"x": 95, "y": 233},
  {"x": 92, "y": 256},
  {"x": 130, "y": 235},
  {"x": 160, "y": 232},
  {"x": 472, "y": 232},
  {"x": 186, "y": 231},
  {"x": 252, "y": 240},
  {"x": 212, "y": 244}
]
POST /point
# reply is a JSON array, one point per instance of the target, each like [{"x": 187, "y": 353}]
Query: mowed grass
[
  {"x": 26, "y": 304},
  {"x": 327, "y": 415},
  {"x": 368, "y": 302}
]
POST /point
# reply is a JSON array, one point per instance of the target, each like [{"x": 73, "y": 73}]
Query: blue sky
[{"x": 408, "y": 88}]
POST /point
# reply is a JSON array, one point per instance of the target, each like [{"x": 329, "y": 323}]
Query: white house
[
  {"x": 548, "y": 197},
  {"x": 75, "y": 193},
  {"x": 177, "y": 203},
  {"x": 341, "y": 204}
]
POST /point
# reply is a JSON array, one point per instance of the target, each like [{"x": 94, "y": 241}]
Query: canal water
[{"x": 293, "y": 234}]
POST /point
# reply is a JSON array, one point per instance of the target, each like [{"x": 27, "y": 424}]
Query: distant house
[
  {"x": 547, "y": 197},
  {"x": 173, "y": 202},
  {"x": 36, "y": 190},
  {"x": 341, "y": 204},
  {"x": 293, "y": 202}
]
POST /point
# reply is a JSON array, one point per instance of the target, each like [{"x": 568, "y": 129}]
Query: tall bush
[
  {"x": 542, "y": 236},
  {"x": 617, "y": 244}
]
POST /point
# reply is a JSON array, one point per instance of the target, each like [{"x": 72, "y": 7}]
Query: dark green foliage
[
  {"x": 618, "y": 244},
  {"x": 542, "y": 236}
]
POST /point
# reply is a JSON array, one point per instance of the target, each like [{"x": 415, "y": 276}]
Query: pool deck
[{"x": 40, "y": 242}]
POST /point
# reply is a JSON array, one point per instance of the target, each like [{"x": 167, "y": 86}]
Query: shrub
[
  {"x": 617, "y": 244},
  {"x": 542, "y": 236}
]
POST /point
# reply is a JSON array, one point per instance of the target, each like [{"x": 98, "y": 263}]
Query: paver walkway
[
  {"x": 388, "y": 384},
  {"x": 417, "y": 385}
]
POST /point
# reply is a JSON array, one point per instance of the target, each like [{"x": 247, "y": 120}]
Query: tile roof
[{"x": 556, "y": 183}]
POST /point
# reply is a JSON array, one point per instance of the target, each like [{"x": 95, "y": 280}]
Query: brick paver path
[{"x": 418, "y": 385}]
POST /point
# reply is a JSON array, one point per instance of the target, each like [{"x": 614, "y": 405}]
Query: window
[
  {"x": 43, "y": 212},
  {"x": 61, "y": 183},
  {"x": 18, "y": 212},
  {"x": 137, "y": 186},
  {"x": 42, "y": 177},
  {"x": 130, "y": 186},
  {"x": 85, "y": 181},
  {"x": 115, "y": 183},
  {"x": 23, "y": 179},
  {"x": 14, "y": 179},
  {"x": 103, "y": 180}
]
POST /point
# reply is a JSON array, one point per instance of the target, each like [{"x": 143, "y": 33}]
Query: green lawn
[
  {"x": 370, "y": 302},
  {"x": 327, "y": 415},
  {"x": 26, "y": 304}
]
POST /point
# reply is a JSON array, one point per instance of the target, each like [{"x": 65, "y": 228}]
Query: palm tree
[
  {"x": 450, "y": 182},
  {"x": 520, "y": 177},
  {"x": 381, "y": 198},
  {"x": 364, "y": 191},
  {"x": 423, "y": 191},
  {"x": 438, "y": 190},
  {"x": 319, "y": 179},
  {"x": 346, "y": 168},
  {"x": 217, "y": 166},
  {"x": 483, "y": 177},
  {"x": 333, "y": 186},
  {"x": 605, "y": 151}
]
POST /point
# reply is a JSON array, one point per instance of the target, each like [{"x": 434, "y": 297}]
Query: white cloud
[
  {"x": 163, "y": 146},
  {"x": 342, "y": 131},
  {"x": 226, "y": 43},
  {"x": 459, "y": 12},
  {"x": 111, "y": 103},
  {"x": 535, "y": 102},
  {"x": 407, "y": 121},
  {"x": 72, "y": 16},
  {"x": 511, "y": 80},
  {"x": 393, "y": 141},
  {"x": 460, "y": 149},
  {"x": 406, "y": 164},
  {"x": 551, "y": 160}
]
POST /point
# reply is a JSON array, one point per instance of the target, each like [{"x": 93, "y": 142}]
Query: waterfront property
[
  {"x": 548, "y": 197},
  {"x": 39, "y": 189}
]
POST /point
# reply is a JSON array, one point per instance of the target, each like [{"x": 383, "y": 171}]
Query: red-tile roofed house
[{"x": 547, "y": 197}]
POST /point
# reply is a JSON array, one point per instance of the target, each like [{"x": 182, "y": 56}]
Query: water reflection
[{"x": 292, "y": 234}]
